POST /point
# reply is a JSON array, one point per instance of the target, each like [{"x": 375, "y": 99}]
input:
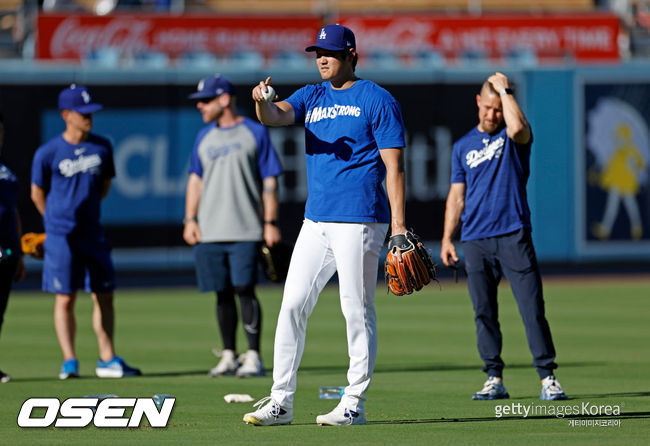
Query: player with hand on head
[
  {"x": 76, "y": 169},
  {"x": 12, "y": 268},
  {"x": 231, "y": 205},
  {"x": 354, "y": 140},
  {"x": 490, "y": 169}
]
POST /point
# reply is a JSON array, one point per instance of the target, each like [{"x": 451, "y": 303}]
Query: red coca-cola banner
[
  {"x": 73, "y": 36},
  {"x": 586, "y": 37}
]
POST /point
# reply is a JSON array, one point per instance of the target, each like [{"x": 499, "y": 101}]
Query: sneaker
[
  {"x": 228, "y": 364},
  {"x": 4, "y": 378},
  {"x": 551, "y": 389},
  {"x": 115, "y": 368},
  {"x": 251, "y": 365},
  {"x": 341, "y": 416},
  {"x": 69, "y": 369},
  {"x": 270, "y": 414},
  {"x": 493, "y": 389}
]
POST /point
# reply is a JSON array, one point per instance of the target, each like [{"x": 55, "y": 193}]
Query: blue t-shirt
[
  {"x": 75, "y": 175},
  {"x": 8, "y": 198},
  {"x": 344, "y": 132},
  {"x": 495, "y": 171}
]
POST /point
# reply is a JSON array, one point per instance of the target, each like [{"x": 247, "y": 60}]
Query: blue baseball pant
[{"x": 513, "y": 256}]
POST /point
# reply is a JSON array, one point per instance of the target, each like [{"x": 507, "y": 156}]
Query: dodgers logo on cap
[
  {"x": 77, "y": 98},
  {"x": 334, "y": 38}
]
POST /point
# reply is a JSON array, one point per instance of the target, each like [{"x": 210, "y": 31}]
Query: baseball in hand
[{"x": 269, "y": 95}]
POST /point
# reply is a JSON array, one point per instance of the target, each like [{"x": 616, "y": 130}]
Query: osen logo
[{"x": 80, "y": 412}]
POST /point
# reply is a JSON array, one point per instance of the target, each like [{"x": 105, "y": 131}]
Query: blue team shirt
[
  {"x": 344, "y": 132},
  {"x": 495, "y": 171},
  {"x": 74, "y": 174},
  {"x": 8, "y": 198}
]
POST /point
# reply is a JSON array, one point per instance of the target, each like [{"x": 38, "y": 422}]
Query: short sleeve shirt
[
  {"x": 495, "y": 171},
  {"x": 232, "y": 162},
  {"x": 344, "y": 132},
  {"x": 75, "y": 175}
]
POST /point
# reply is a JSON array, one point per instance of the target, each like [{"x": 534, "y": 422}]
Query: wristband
[
  {"x": 186, "y": 220},
  {"x": 504, "y": 92},
  {"x": 271, "y": 222}
]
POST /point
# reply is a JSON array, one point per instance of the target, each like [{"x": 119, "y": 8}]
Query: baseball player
[
  {"x": 76, "y": 169},
  {"x": 354, "y": 140},
  {"x": 12, "y": 268},
  {"x": 231, "y": 205},
  {"x": 490, "y": 169}
]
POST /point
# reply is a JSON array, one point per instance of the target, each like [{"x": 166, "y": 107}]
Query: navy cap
[
  {"x": 334, "y": 38},
  {"x": 213, "y": 86},
  {"x": 77, "y": 98}
]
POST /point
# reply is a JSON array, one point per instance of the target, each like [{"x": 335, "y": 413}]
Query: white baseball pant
[{"x": 323, "y": 248}]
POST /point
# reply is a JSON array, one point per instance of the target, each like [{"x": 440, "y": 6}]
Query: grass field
[{"x": 427, "y": 368}]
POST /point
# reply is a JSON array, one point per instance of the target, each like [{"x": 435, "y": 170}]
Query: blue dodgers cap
[
  {"x": 77, "y": 98},
  {"x": 334, "y": 38},
  {"x": 213, "y": 86}
]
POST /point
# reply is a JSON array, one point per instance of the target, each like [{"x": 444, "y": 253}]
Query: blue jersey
[
  {"x": 74, "y": 174},
  {"x": 8, "y": 198},
  {"x": 495, "y": 171},
  {"x": 344, "y": 131}
]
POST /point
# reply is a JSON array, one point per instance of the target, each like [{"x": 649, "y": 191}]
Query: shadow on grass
[
  {"x": 431, "y": 367},
  {"x": 611, "y": 395},
  {"x": 572, "y": 396},
  {"x": 145, "y": 375},
  {"x": 622, "y": 416}
]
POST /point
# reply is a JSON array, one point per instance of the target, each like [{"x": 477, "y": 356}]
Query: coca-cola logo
[
  {"x": 74, "y": 36},
  {"x": 72, "y": 39},
  {"x": 398, "y": 34}
]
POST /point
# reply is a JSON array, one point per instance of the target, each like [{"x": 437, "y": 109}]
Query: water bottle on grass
[{"x": 331, "y": 392}]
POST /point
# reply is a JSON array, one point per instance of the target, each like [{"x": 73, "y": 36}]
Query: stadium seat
[
  {"x": 103, "y": 57},
  {"x": 381, "y": 59},
  {"x": 473, "y": 57},
  {"x": 265, "y": 6},
  {"x": 522, "y": 57},
  {"x": 151, "y": 59},
  {"x": 202, "y": 60},
  {"x": 428, "y": 59},
  {"x": 247, "y": 60},
  {"x": 352, "y": 6},
  {"x": 291, "y": 60}
]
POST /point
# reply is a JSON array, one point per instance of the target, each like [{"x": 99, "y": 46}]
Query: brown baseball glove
[
  {"x": 32, "y": 244},
  {"x": 416, "y": 268}
]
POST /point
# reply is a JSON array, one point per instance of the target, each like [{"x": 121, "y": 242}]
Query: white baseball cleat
[
  {"x": 552, "y": 390},
  {"x": 342, "y": 416},
  {"x": 251, "y": 364},
  {"x": 493, "y": 389},
  {"x": 271, "y": 414},
  {"x": 228, "y": 364}
]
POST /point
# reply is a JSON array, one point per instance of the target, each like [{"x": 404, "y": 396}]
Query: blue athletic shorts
[
  {"x": 77, "y": 261},
  {"x": 220, "y": 266}
]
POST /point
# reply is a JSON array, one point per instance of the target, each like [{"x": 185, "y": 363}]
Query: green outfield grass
[{"x": 427, "y": 368}]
